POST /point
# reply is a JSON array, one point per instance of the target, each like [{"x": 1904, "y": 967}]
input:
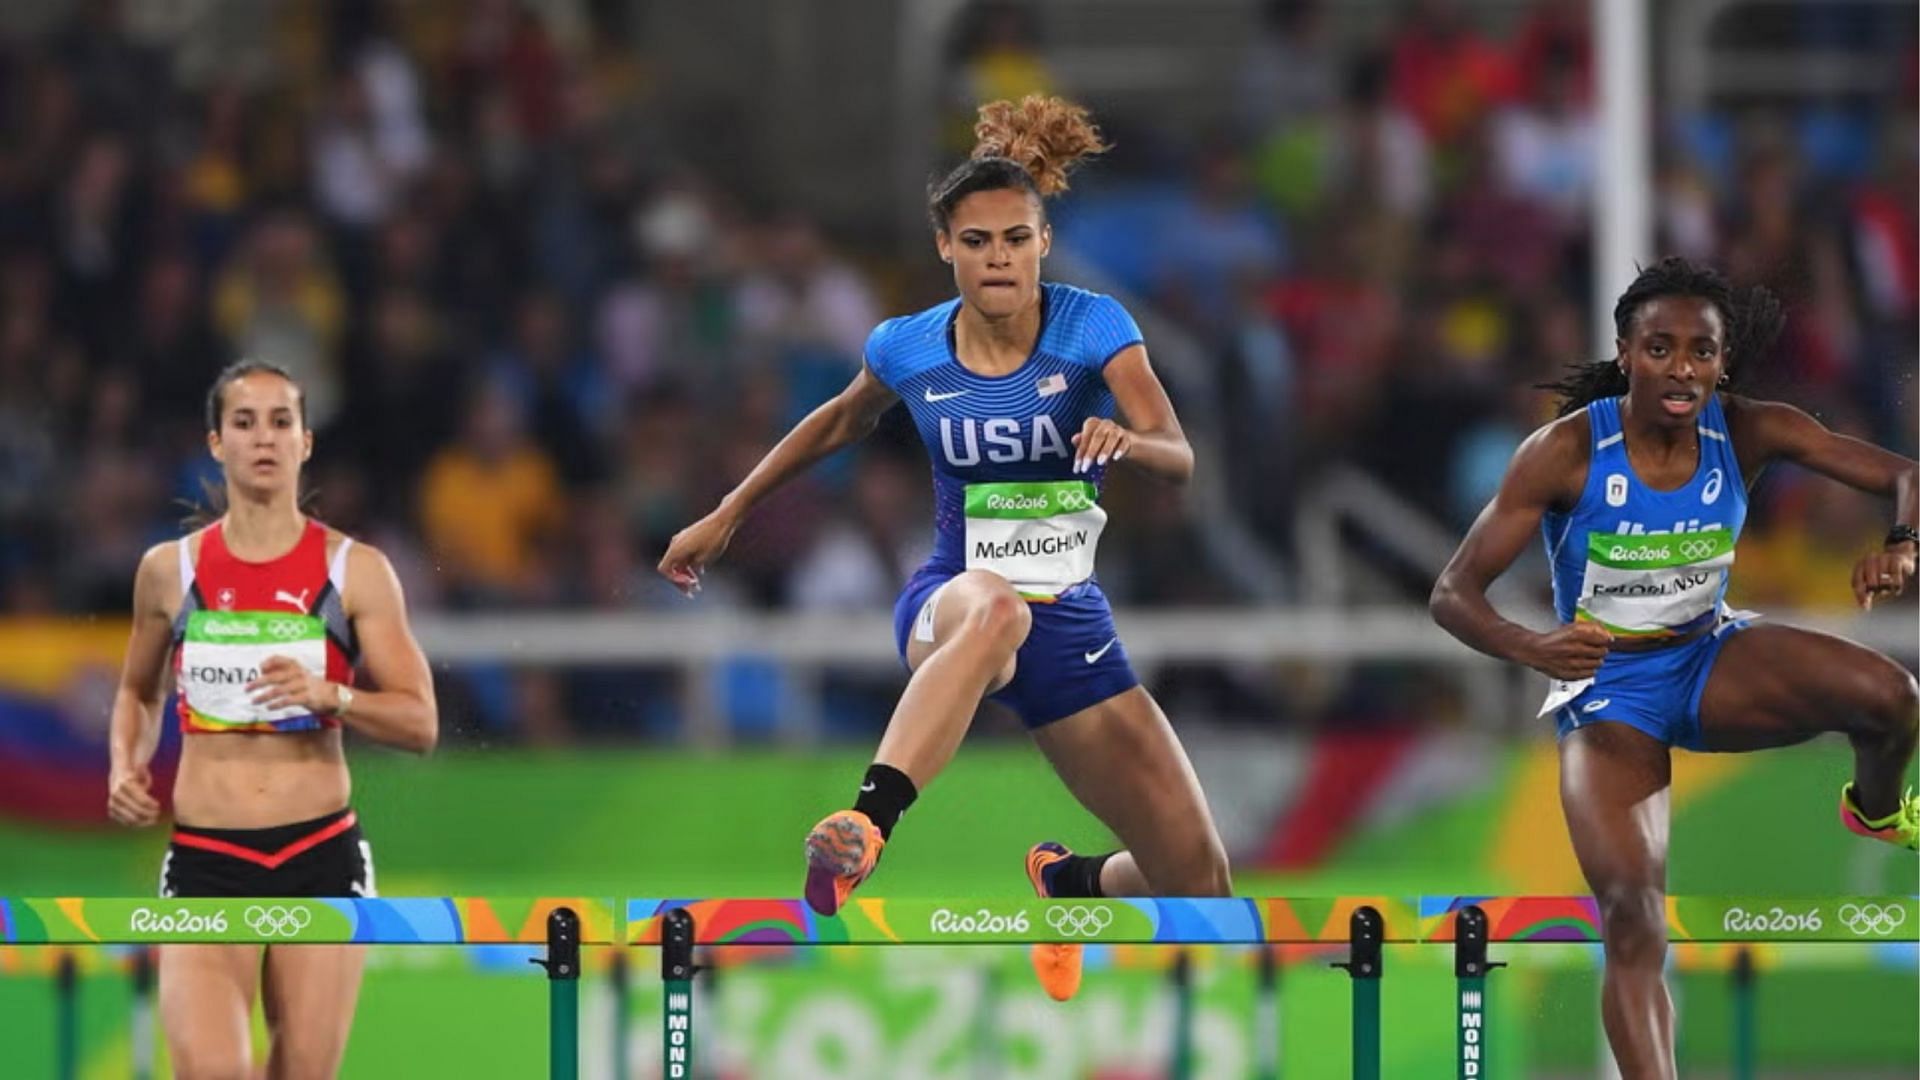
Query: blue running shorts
[
  {"x": 1657, "y": 691},
  {"x": 1072, "y": 657}
]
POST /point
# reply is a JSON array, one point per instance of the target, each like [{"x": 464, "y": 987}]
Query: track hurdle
[
  {"x": 562, "y": 924},
  {"x": 1471, "y": 924}
]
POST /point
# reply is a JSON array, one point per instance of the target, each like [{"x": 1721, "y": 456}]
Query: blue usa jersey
[{"x": 1016, "y": 427}]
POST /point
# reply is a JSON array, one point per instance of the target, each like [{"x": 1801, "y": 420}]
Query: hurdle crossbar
[
  {"x": 677, "y": 926},
  {"x": 562, "y": 924}
]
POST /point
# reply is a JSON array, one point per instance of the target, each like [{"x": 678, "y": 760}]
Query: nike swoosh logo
[
  {"x": 866, "y": 788},
  {"x": 931, "y": 396},
  {"x": 1095, "y": 655}
]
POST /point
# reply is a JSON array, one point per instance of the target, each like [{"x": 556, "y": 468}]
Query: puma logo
[{"x": 282, "y": 596}]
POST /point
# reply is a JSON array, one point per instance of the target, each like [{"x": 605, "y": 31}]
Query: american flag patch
[{"x": 1055, "y": 383}]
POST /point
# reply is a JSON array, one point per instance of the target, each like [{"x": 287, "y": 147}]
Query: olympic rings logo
[
  {"x": 286, "y": 629},
  {"x": 1074, "y": 500},
  {"x": 1696, "y": 549},
  {"x": 1078, "y": 921},
  {"x": 277, "y": 921},
  {"x": 1864, "y": 919}
]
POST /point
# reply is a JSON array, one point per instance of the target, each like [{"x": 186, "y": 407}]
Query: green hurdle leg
[
  {"x": 1470, "y": 969},
  {"x": 143, "y": 961},
  {"x": 1182, "y": 1016},
  {"x": 1365, "y": 931},
  {"x": 676, "y": 970},
  {"x": 622, "y": 1000},
  {"x": 1743, "y": 1014},
  {"x": 66, "y": 986},
  {"x": 1267, "y": 1016},
  {"x": 563, "y": 994}
]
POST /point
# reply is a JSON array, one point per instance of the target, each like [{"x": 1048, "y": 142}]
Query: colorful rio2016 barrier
[
  {"x": 562, "y": 924},
  {"x": 1363, "y": 924}
]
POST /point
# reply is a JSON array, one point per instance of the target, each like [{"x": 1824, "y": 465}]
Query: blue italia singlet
[{"x": 1647, "y": 564}]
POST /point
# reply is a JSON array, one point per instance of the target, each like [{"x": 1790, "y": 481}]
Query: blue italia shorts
[
  {"x": 1657, "y": 691},
  {"x": 1072, "y": 658}
]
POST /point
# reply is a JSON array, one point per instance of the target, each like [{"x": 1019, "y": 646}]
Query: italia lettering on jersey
[{"x": 1637, "y": 528}]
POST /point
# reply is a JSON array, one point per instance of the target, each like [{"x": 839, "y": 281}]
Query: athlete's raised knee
[
  {"x": 1894, "y": 702},
  {"x": 998, "y": 614}
]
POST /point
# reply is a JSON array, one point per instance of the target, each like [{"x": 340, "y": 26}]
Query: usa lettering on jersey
[{"x": 1005, "y": 440}]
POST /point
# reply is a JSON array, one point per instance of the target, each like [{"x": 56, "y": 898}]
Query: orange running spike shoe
[
  {"x": 841, "y": 852},
  {"x": 1902, "y": 827},
  {"x": 1057, "y": 965}
]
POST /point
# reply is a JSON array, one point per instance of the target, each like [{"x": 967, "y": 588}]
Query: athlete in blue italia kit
[
  {"x": 1640, "y": 491},
  {"x": 1013, "y": 386}
]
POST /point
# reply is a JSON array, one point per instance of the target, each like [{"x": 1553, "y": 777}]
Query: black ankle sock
[
  {"x": 1077, "y": 876},
  {"x": 884, "y": 796}
]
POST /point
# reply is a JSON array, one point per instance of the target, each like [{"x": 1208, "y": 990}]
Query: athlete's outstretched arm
[
  {"x": 402, "y": 712},
  {"x": 1765, "y": 431},
  {"x": 134, "y": 731},
  {"x": 1537, "y": 480},
  {"x": 1152, "y": 439},
  {"x": 843, "y": 420}
]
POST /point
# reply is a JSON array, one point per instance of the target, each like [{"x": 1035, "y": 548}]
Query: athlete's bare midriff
[{"x": 246, "y": 780}]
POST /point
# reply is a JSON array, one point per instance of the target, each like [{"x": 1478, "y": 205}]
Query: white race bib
[
  {"x": 222, "y": 653},
  {"x": 1652, "y": 585},
  {"x": 1041, "y": 537}
]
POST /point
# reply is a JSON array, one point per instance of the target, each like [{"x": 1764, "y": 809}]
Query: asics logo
[
  {"x": 286, "y": 629},
  {"x": 1596, "y": 704},
  {"x": 277, "y": 921},
  {"x": 1711, "y": 493},
  {"x": 1864, "y": 919},
  {"x": 298, "y": 600},
  {"x": 1079, "y": 921},
  {"x": 1696, "y": 549},
  {"x": 1095, "y": 655},
  {"x": 933, "y": 397}
]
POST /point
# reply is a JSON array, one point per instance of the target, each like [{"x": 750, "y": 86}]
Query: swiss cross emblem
[{"x": 224, "y": 601}]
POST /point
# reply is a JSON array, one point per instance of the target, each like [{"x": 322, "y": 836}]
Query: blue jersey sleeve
[
  {"x": 1108, "y": 330},
  {"x": 876, "y": 353}
]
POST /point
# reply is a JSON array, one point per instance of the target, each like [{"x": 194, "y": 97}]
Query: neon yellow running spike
[{"x": 1901, "y": 827}]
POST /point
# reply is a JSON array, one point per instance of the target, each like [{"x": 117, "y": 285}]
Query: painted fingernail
[
  {"x": 1118, "y": 454},
  {"x": 1103, "y": 459},
  {"x": 1078, "y": 464}
]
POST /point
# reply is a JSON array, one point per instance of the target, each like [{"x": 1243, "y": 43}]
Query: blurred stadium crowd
[{"x": 536, "y": 340}]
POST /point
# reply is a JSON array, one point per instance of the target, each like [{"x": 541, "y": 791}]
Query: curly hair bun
[{"x": 1047, "y": 136}]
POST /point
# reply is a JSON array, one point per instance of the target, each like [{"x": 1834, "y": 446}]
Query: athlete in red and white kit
[{"x": 265, "y": 614}]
